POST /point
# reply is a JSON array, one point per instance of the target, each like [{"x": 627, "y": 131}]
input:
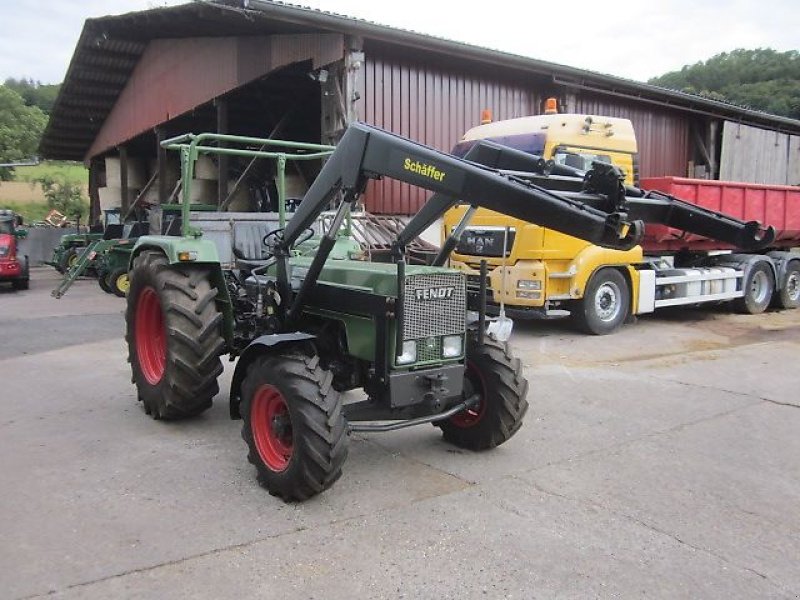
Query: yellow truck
[{"x": 536, "y": 272}]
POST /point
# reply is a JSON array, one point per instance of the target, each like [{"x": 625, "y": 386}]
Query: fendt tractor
[
  {"x": 13, "y": 267},
  {"x": 308, "y": 319},
  {"x": 536, "y": 272}
]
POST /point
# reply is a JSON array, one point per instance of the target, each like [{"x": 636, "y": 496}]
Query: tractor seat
[
  {"x": 248, "y": 243},
  {"x": 113, "y": 231}
]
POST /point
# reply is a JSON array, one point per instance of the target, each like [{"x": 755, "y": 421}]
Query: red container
[{"x": 776, "y": 205}]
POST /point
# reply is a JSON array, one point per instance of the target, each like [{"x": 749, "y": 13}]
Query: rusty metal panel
[
  {"x": 432, "y": 103},
  {"x": 662, "y": 134},
  {"x": 175, "y": 76}
]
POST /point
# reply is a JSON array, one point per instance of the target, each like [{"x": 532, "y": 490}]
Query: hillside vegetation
[{"x": 762, "y": 79}]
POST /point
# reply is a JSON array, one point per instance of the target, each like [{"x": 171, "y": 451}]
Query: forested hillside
[{"x": 762, "y": 79}]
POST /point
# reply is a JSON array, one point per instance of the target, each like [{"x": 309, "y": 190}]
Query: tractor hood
[{"x": 377, "y": 278}]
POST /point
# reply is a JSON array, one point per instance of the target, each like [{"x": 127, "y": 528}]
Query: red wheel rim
[
  {"x": 271, "y": 425},
  {"x": 474, "y": 383},
  {"x": 151, "y": 339}
]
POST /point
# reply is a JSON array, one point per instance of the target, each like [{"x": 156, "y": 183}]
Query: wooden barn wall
[
  {"x": 433, "y": 104},
  {"x": 759, "y": 155},
  {"x": 662, "y": 134}
]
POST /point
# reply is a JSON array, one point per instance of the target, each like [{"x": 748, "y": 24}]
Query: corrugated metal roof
[{"x": 109, "y": 48}]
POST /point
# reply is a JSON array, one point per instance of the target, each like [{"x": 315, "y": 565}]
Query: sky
[{"x": 627, "y": 38}]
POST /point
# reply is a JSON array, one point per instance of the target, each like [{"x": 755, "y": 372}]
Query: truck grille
[
  {"x": 434, "y": 305},
  {"x": 485, "y": 241}
]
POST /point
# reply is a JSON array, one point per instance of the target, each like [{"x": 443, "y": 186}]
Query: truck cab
[
  {"x": 12, "y": 268},
  {"x": 541, "y": 272}
]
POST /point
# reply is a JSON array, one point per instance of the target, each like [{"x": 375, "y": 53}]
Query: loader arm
[
  {"x": 367, "y": 152},
  {"x": 603, "y": 189}
]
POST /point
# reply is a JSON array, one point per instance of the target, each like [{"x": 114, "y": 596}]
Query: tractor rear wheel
[
  {"x": 174, "y": 337},
  {"x": 293, "y": 425},
  {"x": 496, "y": 376},
  {"x": 118, "y": 282}
]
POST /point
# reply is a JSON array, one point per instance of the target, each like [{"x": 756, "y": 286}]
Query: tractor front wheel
[
  {"x": 118, "y": 282},
  {"x": 102, "y": 281},
  {"x": 496, "y": 376},
  {"x": 293, "y": 425},
  {"x": 174, "y": 337}
]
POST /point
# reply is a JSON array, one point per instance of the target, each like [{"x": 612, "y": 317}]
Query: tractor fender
[{"x": 259, "y": 346}]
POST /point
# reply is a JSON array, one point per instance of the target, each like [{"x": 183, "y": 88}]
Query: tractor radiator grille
[{"x": 434, "y": 305}]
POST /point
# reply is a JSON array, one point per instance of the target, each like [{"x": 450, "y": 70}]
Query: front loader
[{"x": 308, "y": 320}]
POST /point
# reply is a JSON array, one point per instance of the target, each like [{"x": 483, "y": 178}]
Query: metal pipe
[
  {"x": 450, "y": 412},
  {"x": 399, "y": 305}
]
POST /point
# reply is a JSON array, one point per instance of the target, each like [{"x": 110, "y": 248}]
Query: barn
[{"x": 262, "y": 68}]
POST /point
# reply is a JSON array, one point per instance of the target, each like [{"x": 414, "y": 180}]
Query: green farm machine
[{"x": 309, "y": 319}]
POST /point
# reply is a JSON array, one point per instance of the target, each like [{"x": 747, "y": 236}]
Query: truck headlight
[
  {"x": 409, "y": 354},
  {"x": 451, "y": 346},
  {"x": 529, "y": 284}
]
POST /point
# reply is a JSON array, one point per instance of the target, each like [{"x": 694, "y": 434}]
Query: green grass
[
  {"x": 36, "y": 211},
  {"x": 30, "y": 211},
  {"x": 72, "y": 171}
]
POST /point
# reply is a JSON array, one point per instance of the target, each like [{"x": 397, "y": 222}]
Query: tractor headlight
[
  {"x": 409, "y": 354},
  {"x": 529, "y": 284},
  {"x": 451, "y": 346}
]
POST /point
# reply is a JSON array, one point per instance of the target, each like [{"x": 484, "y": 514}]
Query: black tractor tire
[
  {"x": 789, "y": 294},
  {"x": 605, "y": 304},
  {"x": 293, "y": 425},
  {"x": 69, "y": 258},
  {"x": 758, "y": 287},
  {"x": 102, "y": 277},
  {"x": 173, "y": 330},
  {"x": 496, "y": 375},
  {"x": 118, "y": 282}
]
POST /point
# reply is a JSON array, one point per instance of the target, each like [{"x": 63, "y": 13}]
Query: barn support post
[
  {"x": 339, "y": 87},
  {"x": 161, "y": 154},
  {"x": 123, "y": 178},
  {"x": 713, "y": 148},
  {"x": 94, "y": 194},
  {"x": 222, "y": 128}
]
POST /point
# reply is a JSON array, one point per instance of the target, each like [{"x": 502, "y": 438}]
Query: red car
[{"x": 12, "y": 268}]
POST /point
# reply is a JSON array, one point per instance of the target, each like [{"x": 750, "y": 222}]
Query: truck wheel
[
  {"x": 118, "y": 282},
  {"x": 293, "y": 425},
  {"x": 173, "y": 335},
  {"x": 789, "y": 294},
  {"x": 20, "y": 284},
  {"x": 494, "y": 374},
  {"x": 758, "y": 287},
  {"x": 605, "y": 304}
]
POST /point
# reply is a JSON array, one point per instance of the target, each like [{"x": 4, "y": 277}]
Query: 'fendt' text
[
  {"x": 441, "y": 293},
  {"x": 423, "y": 169}
]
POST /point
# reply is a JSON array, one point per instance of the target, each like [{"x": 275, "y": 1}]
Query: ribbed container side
[
  {"x": 776, "y": 205},
  {"x": 433, "y": 104}
]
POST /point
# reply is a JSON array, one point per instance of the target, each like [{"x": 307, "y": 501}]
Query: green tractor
[
  {"x": 71, "y": 245},
  {"x": 309, "y": 321}
]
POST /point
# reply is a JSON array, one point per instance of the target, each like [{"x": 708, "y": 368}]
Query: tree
[
  {"x": 762, "y": 79},
  {"x": 62, "y": 194},
  {"x": 35, "y": 93},
  {"x": 21, "y": 128}
]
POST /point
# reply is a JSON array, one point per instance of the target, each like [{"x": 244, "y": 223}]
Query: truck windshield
[
  {"x": 6, "y": 226},
  {"x": 579, "y": 160}
]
